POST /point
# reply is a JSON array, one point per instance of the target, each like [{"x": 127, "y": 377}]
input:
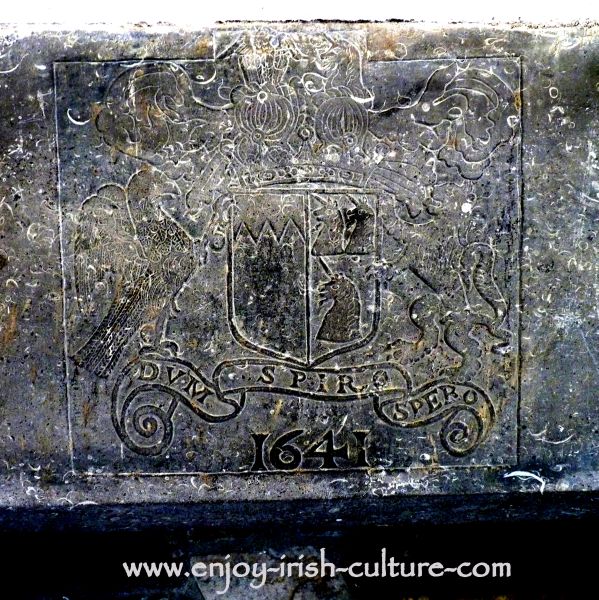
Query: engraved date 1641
[{"x": 282, "y": 453}]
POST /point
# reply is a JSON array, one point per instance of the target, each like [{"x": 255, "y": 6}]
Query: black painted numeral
[
  {"x": 325, "y": 449},
  {"x": 284, "y": 454},
  {"x": 361, "y": 448},
  {"x": 259, "y": 439}
]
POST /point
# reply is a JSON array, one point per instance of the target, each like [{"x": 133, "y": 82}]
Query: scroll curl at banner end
[{"x": 466, "y": 411}]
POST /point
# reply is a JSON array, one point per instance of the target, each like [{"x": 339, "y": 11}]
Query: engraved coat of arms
[{"x": 287, "y": 240}]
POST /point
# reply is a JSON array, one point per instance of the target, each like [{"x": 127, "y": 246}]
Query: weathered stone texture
[{"x": 298, "y": 261}]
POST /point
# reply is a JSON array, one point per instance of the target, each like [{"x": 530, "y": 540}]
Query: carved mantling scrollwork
[{"x": 299, "y": 115}]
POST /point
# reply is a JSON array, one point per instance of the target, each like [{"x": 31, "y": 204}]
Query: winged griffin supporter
[{"x": 137, "y": 244}]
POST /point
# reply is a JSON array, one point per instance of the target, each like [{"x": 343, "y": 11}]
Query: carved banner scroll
[{"x": 292, "y": 245}]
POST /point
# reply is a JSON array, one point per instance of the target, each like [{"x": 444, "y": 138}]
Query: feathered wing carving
[
  {"x": 132, "y": 260},
  {"x": 107, "y": 255},
  {"x": 135, "y": 245}
]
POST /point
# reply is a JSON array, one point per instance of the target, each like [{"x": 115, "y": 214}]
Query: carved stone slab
[
  {"x": 283, "y": 245},
  {"x": 293, "y": 255}
]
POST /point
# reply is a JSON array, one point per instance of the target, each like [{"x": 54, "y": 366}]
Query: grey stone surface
[{"x": 293, "y": 261}]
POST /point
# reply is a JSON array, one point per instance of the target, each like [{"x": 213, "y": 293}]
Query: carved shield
[{"x": 300, "y": 284}]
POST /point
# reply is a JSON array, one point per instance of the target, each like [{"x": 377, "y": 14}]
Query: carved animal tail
[{"x": 104, "y": 348}]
